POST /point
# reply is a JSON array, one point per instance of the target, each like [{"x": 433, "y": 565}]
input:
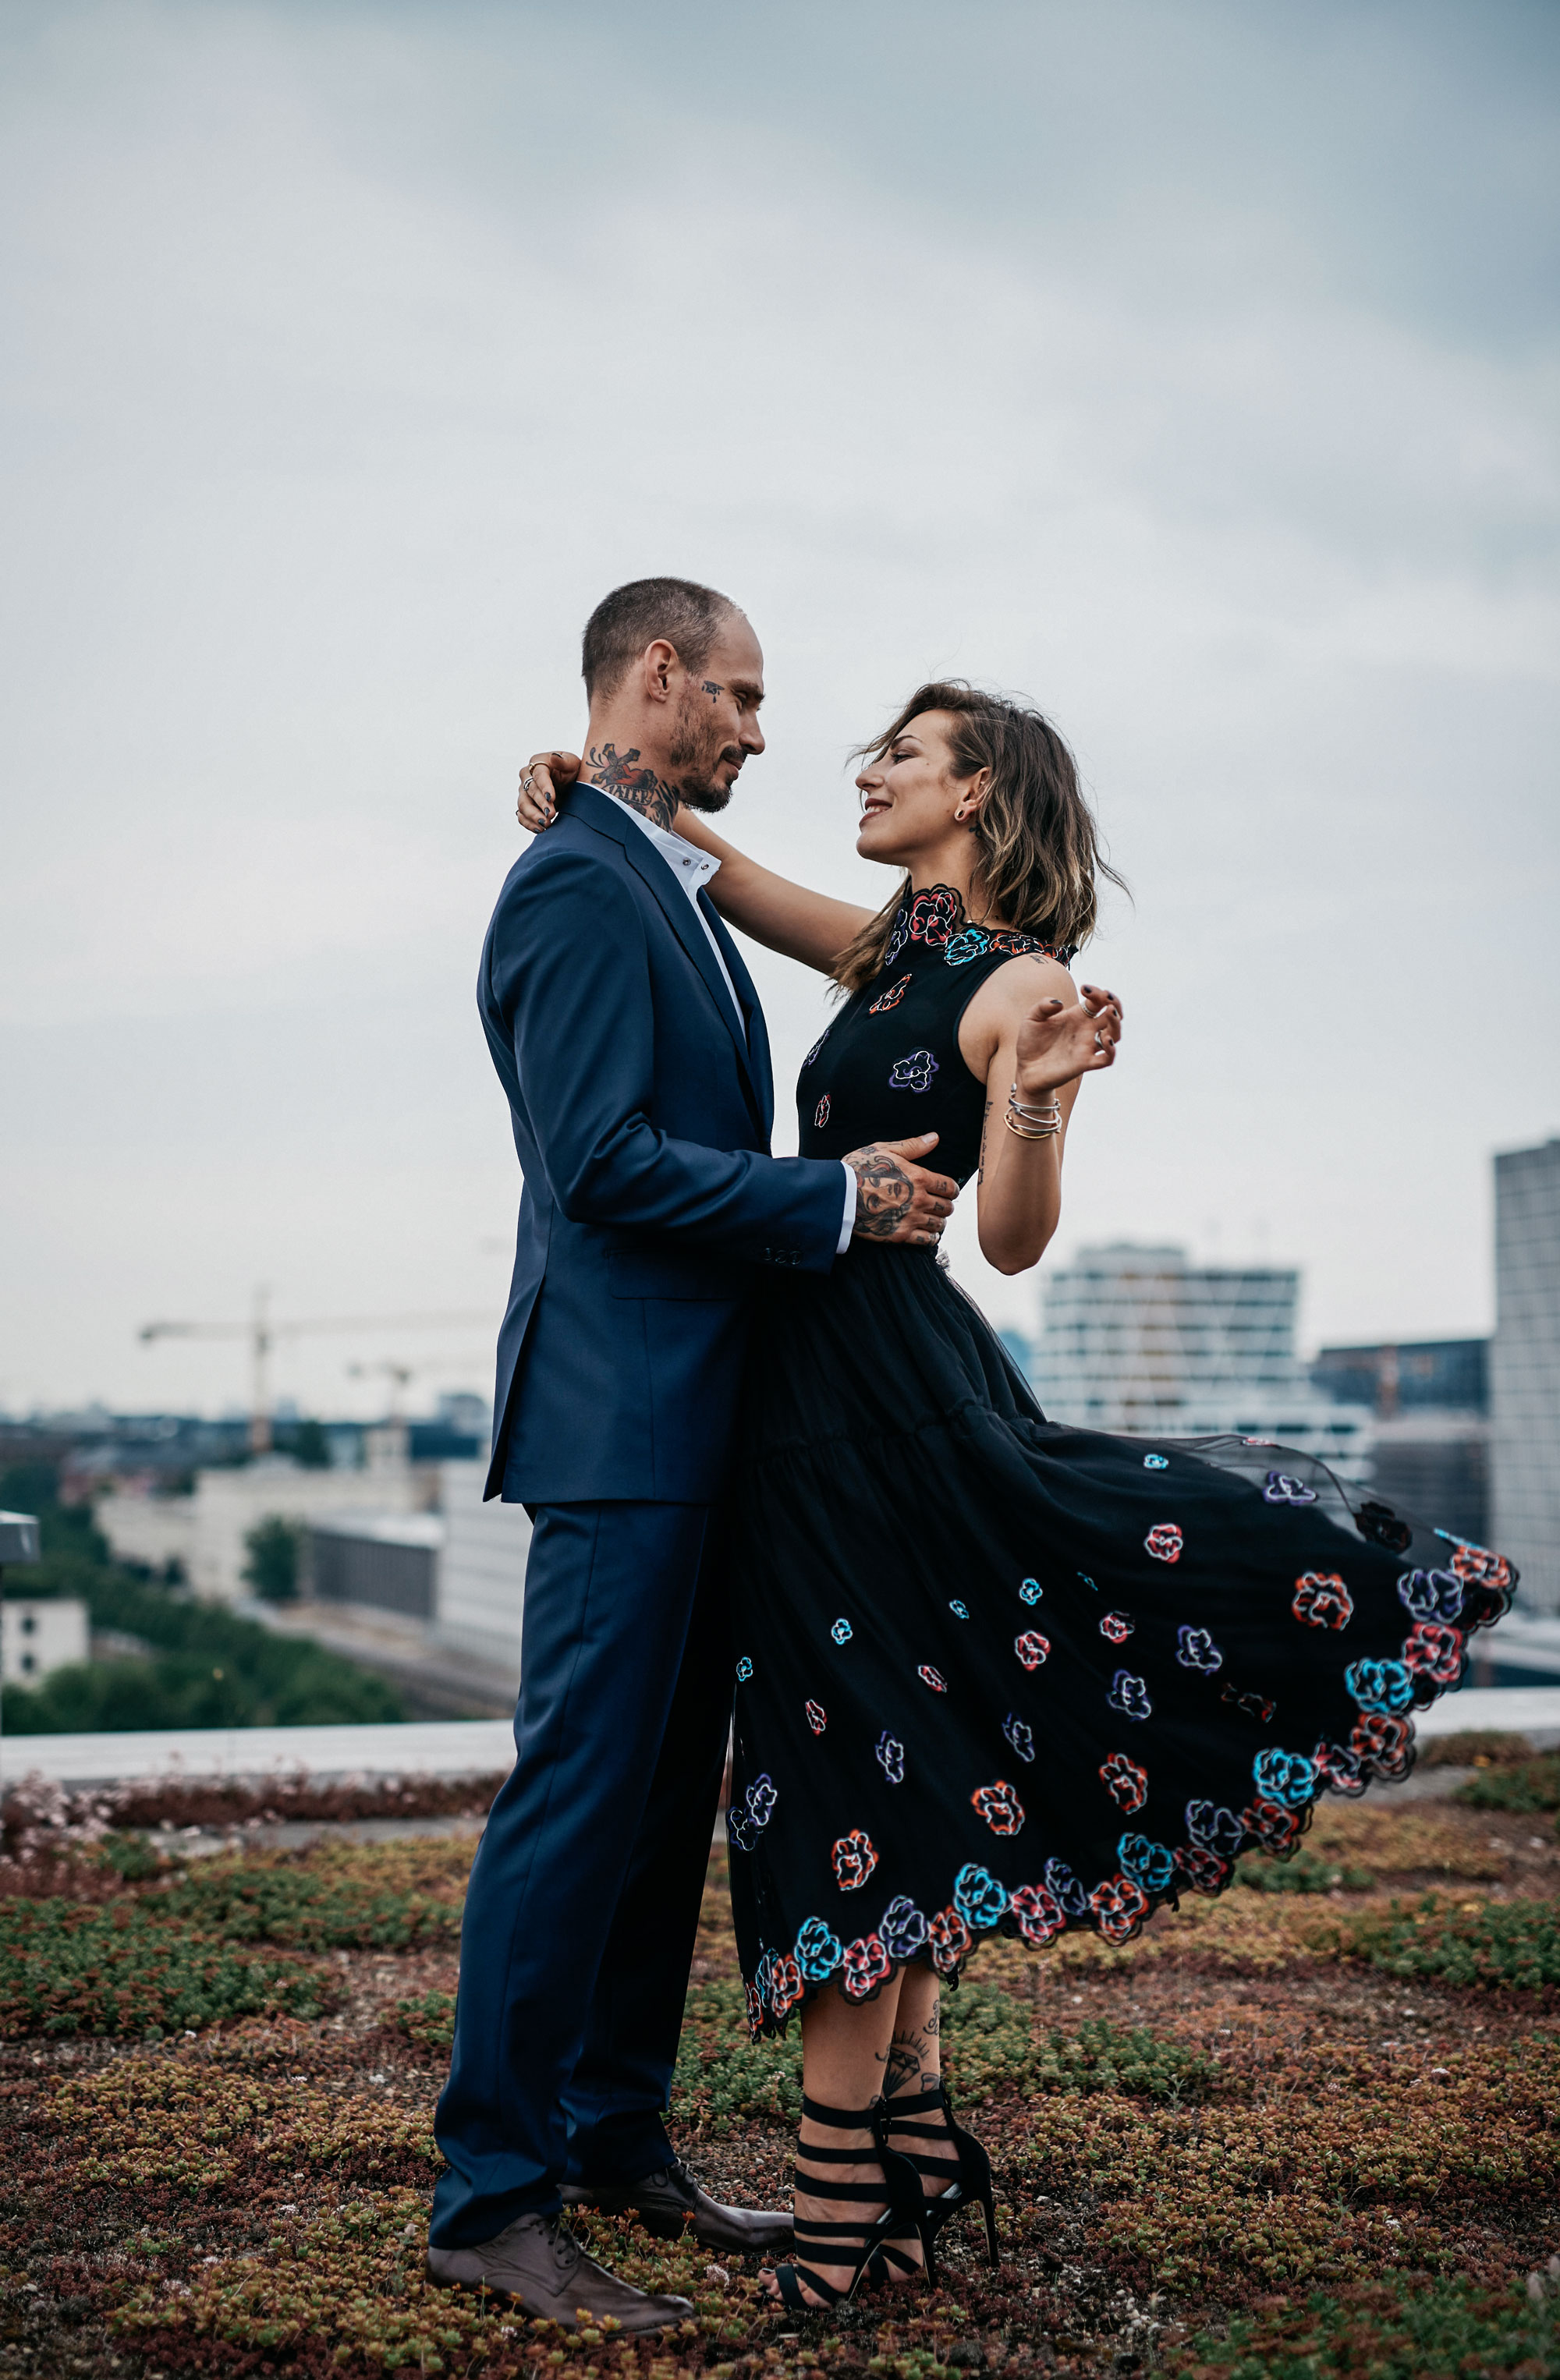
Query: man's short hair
[{"x": 624, "y": 622}]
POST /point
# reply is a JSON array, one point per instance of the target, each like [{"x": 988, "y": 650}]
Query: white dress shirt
[{"x": 693, "y": 870}]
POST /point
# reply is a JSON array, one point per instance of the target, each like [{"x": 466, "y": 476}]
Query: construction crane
[
  {"x": 400, "y": 1376},
  {"x": 262, "y": 1334}
]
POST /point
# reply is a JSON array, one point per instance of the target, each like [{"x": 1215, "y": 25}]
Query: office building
[
  {"x": 1138, "y": 1341},
  {"x": 1431, "y": 1452},
  {"x": 1524, "y": 1371}
]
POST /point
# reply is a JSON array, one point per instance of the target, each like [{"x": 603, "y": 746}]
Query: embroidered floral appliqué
[
  {"x": 1156, "y": 1463},
  {"x": 819, "y": 1952},
  {"x": 1195, "y": 1649},
  {"x": 854, "y": 1860},
  {"x": 1031, "y": 1590},
  {"x": 1323, "y": 1600},
  {"x": 1126, "y": 1782},
  {"x": 865, "y": 1965},
  {"x": 1032, "y": 1648},
  {"x": 1040, "y": 1916},
  {"x": 902, "y": 1928},
  {"x": 932, "y": 1678},
  {"x": 841, "y": 1631},
  {"x": 1204, "y": 1870},
  {"x": 1214, "y": 1827},
  {"x": 1287, "y": 1778},
  {"x": 1282, "y": 1489},
  {"x": 813, "y": 1053},
  {"x": 891, "y": 997},
  {"x": 1066, "y": 1889},
  {"x": 1149, "y": 1861},
  {"x": 891, "y": 1758},
  {"x": 1020, "y": 1736},
  {"x": 820, "y": 1113},
  {"x": 913, "y": 1072},
  {"x": 744, "y": 1670},
  {"x": 1129, "y": 1695},
  {"x": 1000, "y": 1807},
  {"x": 1118, "y": 1907},
  {"x": 959, "y": 1611},
  {"x": 817, "y": 1717},
  {"x": 1381, "y": 1686},
  {"x": 1116, "y": 1626},
  {"x": 978, "y": 1896},
  {"x": 1165, "y": 1541},
  {"x": 950, "y": 1938},
  {"x": 1432, "y": 1593},
  {"x": 1434, "y": 1652}
]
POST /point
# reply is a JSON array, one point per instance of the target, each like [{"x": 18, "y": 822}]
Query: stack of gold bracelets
[{"x": 1032, "y": 1124}]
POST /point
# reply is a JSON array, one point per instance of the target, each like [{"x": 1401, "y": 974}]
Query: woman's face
[{"x": 909, "y": 795}]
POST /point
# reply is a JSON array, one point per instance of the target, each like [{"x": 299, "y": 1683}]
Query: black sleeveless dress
[{"x": 995, "y": 1673}]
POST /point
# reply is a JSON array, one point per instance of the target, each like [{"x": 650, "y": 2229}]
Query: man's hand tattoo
[
  {"x": 884, "y": 1190},
  {"x": 641, "y": 788}
]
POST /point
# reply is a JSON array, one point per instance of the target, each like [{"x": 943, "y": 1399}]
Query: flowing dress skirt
[{"x": 994, "y": 1672}]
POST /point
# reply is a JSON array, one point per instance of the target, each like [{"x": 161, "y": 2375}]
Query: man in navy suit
[{"x": 630, "y": 1044}]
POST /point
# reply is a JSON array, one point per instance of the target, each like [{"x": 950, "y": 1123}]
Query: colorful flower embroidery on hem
[
  {"x": 819, "y": 1952},
  {"x": 1118, "y": 1906},
  {"x": 864, "y": 1966},
  {"x": 1040, "y": 1916},
  {"x": 1432, "y": 1593},
  {"x": 1282, "y": 1489},
  {"x": 978, "y": 1896},
  {"x": 902, "y": 1928},
  {"x": 1165, "y": 1541},
  {"x": 1434, "y": 1652},
  {"x": 1149, "y": 1863},
  {"x": 1380, "y": 1686}
]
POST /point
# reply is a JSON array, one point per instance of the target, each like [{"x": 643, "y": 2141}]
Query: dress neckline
[{"x": 936, "y": 917}]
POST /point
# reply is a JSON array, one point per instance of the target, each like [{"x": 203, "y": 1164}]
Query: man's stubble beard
[{"x": 697, "y": 750}]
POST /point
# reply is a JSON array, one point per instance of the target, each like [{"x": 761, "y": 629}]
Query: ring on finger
[{"x": 525, "y": 784}]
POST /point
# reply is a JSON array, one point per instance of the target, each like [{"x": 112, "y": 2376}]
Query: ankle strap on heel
[{"x": 842, "y": 2119}]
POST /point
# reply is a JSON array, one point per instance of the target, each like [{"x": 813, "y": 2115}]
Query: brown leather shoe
[
  {"x": 539, "y": 2264},
  {"x": 663, "y": 2200}
]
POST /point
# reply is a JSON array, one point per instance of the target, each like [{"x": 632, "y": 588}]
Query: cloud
[{"x": 1097, "y": 354}]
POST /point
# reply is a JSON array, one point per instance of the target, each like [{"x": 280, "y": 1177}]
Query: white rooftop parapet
[{"x": 467, "y": 1747}]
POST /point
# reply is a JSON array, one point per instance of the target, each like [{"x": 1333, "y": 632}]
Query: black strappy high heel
[
  {"x": 968, "y": 2172},
  {"x": 862, "y": 2242}
]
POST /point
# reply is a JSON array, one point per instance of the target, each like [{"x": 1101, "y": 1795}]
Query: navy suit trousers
[{"x": 584, "y": 1897}]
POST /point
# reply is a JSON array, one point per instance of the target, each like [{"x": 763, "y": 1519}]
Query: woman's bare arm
[
  {"x": 811, "y": 927},
  {"x": 1043, "y": 1048}
]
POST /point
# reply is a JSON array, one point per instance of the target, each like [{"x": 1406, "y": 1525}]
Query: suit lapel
[
  {"x": 609, "y": 818},
  {"x": 752, "y": 1012}
]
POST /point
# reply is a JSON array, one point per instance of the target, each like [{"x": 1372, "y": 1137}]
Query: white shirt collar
[{"x": 694, "y": 868}]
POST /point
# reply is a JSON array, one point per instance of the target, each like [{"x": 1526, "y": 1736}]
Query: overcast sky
[{"x": 1190, "y": 368}]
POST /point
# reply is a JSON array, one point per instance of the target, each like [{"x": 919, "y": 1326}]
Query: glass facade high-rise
[
  {"x": 1525, "y": 1371},
  {"x": 1138, "y": 1341}
]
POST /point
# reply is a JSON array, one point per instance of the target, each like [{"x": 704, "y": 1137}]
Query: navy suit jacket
[{"x": 642, "y": 1115}]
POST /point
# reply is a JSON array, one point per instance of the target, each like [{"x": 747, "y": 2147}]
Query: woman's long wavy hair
[{"x": 1039, "y": 861}]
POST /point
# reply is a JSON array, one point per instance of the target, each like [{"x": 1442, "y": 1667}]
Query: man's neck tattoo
[{"x": 641, "y": 788}]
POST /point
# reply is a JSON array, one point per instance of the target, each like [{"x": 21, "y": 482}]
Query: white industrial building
[
  {"x": 1138, "y": 1340},
  {"x": 1524, "y": 1371},
  {"x": 39, "y": 1633}
]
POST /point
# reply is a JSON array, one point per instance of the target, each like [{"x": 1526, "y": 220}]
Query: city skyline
[{"x": 1167, "y": 366}]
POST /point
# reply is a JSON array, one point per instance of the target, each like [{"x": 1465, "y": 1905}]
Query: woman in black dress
[{"x": 996, "y": 1674}]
